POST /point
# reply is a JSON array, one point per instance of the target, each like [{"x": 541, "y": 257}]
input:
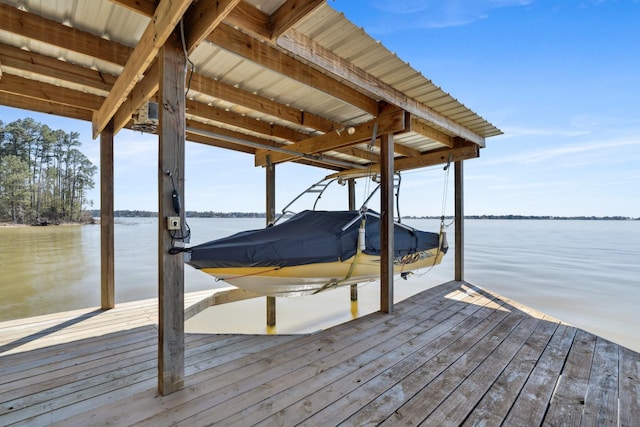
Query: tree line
[
  {"x": 44, "y": 178},
  {"x": 189, "y": 214},
  {"x": 211, "y": 214}
]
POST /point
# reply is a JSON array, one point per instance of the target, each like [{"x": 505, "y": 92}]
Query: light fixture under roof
[{"x": 146, "y": 119}]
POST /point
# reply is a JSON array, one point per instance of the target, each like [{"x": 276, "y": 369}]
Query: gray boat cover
[{"x": 306, "y": 238}]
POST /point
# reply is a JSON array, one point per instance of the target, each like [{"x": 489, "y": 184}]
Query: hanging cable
[
  {"x": 186, "y": 55},
  {"x": 445, "y": 191},
  {"x": 183, "y": 235},
  {"x": 398, "y": 197}
]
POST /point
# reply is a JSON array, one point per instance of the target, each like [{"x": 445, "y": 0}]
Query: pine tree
[{"x": 43, "y": 175}]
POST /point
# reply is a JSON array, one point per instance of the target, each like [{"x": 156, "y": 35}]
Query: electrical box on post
[{"x": 173, "y": 223}]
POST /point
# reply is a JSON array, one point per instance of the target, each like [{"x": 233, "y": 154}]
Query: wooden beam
[
  {"x": 229, "y": 93},
  {"x": 243, "y": 15},
  {"x": 302, "y": 46},
  {"x": 401, "y": 149},
  {"x": 386, "y": 223},
  {"x": 353, "y": 294},
  {"x": 146, "y": 7},
  {"x": 163, "y": 22},
  {"x": 201, "y": 111},
  {"x": 361, "y": 153},
  {"x": 193, "y": 126},
  {"x": 199, "y": 21},
  {"x": 225, "y": 138},
  {"x": 271, "y": 216},
  {"x": 34, "y": 27},
  {"x": 145, "y": 88},
  {"x": 459, "y": 221},
  {"x": 248, "y": 123},
  {"x": 49, "y": 92},
  {"x": 289, "y": 14},
  {"x": 387, "y": 123},
  {"x": 107, "y": 253},
  {"x": 429, "y": 159},
  {"x": 54, "y": 68},
  {"x": 203, "y": 17},
  {"x": 170, "y": 267},
  {"x": 438, "y": 157},
  {"x": 213, "y": 142},
  {"x": 274, "y": 59},
  {"x": 18, "y": 101},
  {"x": 141, "y": 93},
  {"x": 251, "y": 20},
  {"x": 406, "y": 151},
  {"x": 424, "y": 129}
]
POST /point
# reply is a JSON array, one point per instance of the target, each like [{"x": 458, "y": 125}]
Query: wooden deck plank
[
  {"x": 424, "y": 396},
  {"x": 215, "y": 377},
  {"x": 103, "y": 363},
  {"x": 363, "y": 356},
  {"x": 374, "y": 380},
  {"x": 464, "y": 398},
  {"x": 527, "y": 409},
  {"x": 392, "y": 387},
  {"x": 452, "y": 354},
  {"x": 30, "y": 363},
  {"x": 121, "y": 409},
  {"x": 77, "y": 329},
  {"x": 601, "y": 400},
  {"x": 568, "y": 400},
  {"x": 307, "y": 357},
  {"x": 496, "y": 403},
  {"x": 89, "y": 318},
  {"x": 140, "y": 377},
  {"x": 629, "y": 387},
  {"x": 57, "y": 375}
]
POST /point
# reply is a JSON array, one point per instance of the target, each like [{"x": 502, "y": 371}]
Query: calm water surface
[{"x": 583, "y": 272}]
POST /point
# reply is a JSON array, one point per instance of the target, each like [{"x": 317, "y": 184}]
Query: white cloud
[
  {"x": 516, "y": 132},
  {"x": 439, "y": 14},
  {"x": 562, "y": 151}
]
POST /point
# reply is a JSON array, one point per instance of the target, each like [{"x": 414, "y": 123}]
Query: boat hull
[{"x": 313, "y": 278}]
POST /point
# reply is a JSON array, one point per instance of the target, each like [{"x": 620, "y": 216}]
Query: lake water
[{"x": 586, "y": 273}]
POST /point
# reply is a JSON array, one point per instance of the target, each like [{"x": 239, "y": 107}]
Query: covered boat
[{"x": 312, "y": 251}]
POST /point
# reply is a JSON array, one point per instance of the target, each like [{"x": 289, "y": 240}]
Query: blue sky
[{"x": 561, "y": 79}]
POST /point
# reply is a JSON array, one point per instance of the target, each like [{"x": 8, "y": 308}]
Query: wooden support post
[
  {"x": 386, "y": 223},
  {"x": 107, "y": 253},
  {"x": 459, "y": 221},
  {"x": 271, "y": 216},
  {"x": 352, "y": 206},
  {"x": 171, "y": 177}
]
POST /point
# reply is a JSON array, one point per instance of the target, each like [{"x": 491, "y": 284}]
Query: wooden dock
[{"x": 451, "y": 355}]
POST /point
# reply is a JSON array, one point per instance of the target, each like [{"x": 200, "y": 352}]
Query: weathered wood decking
[{"x": 454, "y": 354}]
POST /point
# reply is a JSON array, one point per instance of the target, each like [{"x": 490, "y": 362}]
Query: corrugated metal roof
[
  {"x": 333, "y": 31},
  {"x": 323, "y": 25}
]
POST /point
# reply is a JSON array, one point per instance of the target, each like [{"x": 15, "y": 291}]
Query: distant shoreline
[
  {"x": 192, "y": 214},
  {"x": 211, "y": 214}
]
